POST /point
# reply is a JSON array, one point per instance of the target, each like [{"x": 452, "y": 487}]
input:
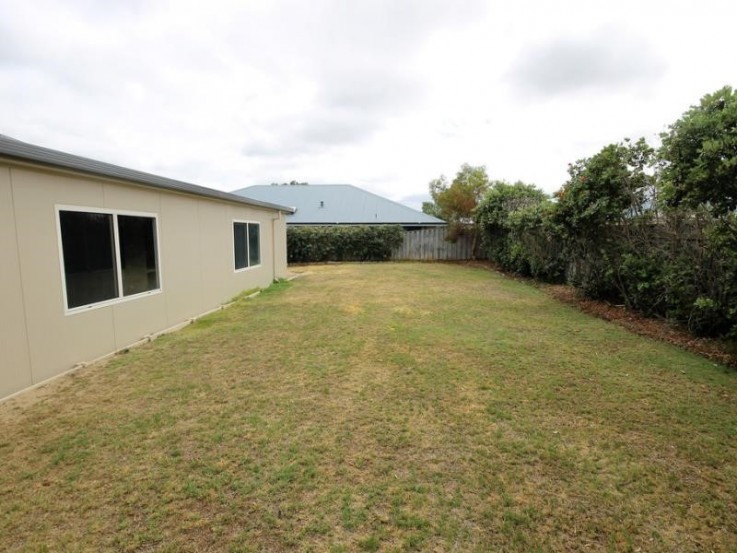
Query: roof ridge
[
  {"x": 400, "y": 204},
  {"x": 340, "y": 203}
]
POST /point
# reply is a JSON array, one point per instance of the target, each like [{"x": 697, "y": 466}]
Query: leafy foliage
[
  {"x": 604, "y": 194},
  {"x": 654, "y": 231},
  {"x": 700, "y": 154},
  {"x": 624, "y": 247},
  {"x": 342, "y": 243},
  {"x": 700, "y": 267},
  {"x": 517, "y": 230},
  {"x": 431, "y": 208},
  {"x": 456, "y": 202},
  {"x": 609, "y": 187}
]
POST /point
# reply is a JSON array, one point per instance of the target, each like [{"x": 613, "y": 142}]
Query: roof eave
[{"x": 17, "y": 151}]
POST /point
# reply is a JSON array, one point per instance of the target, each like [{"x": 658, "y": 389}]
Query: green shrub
[
  {"x": 616, "y": 233},
  {"x": 537, "y": 249},
  {"x": 518, "y": 232},
  {"x": 342, "y": 243},
  {"x": 701, "y": 273}
]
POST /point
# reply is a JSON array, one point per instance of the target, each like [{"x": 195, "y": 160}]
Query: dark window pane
[
  {"x": 240, "y": 245},
  {"x": 138, "y": 254},
  {"x": 254, "y": 250},
  {"x": 89, "y": 257}
]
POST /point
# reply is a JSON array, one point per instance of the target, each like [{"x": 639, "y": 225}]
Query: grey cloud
[
  {"x": 335, "y": 29},
  {"x": 392, "y": 27},
  {"x": 372, "y": 90},
  {"x": 357, "y": 55},
  {"x": 80, "y": 68},
  {"x": 92, "y": 48},
  {"x": 313, "y": 132},
  {"x": 607, "y": 59},
  {"x": 334, "y": 130}
]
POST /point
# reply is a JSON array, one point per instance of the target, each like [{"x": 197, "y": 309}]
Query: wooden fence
[{"x": 430, "y": 244}]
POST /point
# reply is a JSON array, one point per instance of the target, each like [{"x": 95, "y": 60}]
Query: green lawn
[{"x": 379, "y": 407}]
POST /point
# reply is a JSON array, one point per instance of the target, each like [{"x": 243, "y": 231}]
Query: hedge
[{"x": 342, "y": 243}]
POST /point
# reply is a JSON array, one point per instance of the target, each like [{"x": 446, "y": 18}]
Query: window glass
[
  {"x": 240, "y": 244},
  {"x": 254, "y": 249},
  {"x": 137, "y": 237},
  {"x": 89, "y": 257}
]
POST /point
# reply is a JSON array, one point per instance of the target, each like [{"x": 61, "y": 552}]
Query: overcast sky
[{"x": 383, "y": 94}]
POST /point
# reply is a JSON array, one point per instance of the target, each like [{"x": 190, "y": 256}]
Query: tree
[
  {"x": 517, "y": 230},
  {"x": 456, "y": 202},
  {"x": 430, "y": 208},
  {"x": 503, "y": 198},
  {"x": 610, "y": 186},
  {"x": 699, "y": 154},
  {"x": 604, "y": 213},
  {"x": 290, "y": 183}
]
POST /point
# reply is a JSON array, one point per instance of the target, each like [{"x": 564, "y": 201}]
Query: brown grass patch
[{"x": 380, "y": 407}]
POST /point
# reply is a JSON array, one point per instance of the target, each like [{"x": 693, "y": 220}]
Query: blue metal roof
[
  {"x": 338, "y": 204},
  {"x": 22, "y": 151}
]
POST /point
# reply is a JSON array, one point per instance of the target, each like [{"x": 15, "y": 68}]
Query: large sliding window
[
  {"x": 246, "y": 244},
  {"x": 107, "y": 255}
]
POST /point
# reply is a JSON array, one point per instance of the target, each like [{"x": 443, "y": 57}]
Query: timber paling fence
[{"x": 430, "y": 244}]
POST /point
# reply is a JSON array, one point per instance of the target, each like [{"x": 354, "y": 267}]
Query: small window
[
  {"x": 254, "y": 249},
  {"x": 246, "y": 245},
  {"x": 240, "y": 238},
  {"x": 107, "y": 256},
  {"x": 138, "y": 254}
]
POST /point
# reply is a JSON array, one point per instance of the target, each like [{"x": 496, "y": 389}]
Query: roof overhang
[{"x": 17, "y": 151}]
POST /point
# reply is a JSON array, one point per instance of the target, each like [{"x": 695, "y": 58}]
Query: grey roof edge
[
  {"x": 437, "y": 221},
  {"x": 14, "y": 149}
]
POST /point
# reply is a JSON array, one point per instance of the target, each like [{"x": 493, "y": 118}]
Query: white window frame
[
  {"x": 232, "y": 245},
  {"x": 118, "y": 267}
]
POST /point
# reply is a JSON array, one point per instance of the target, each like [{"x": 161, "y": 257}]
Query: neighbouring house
[
  {"x": 96, "y": 257},
  {"x": 425, "y": 237},
  {"x": 339, "y": 204}
]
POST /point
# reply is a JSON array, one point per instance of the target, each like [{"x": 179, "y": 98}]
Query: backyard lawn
[{"x": 379, "y": 407}]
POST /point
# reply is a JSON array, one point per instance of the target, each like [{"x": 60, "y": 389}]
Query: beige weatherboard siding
[{"x": 40, "y": 337}]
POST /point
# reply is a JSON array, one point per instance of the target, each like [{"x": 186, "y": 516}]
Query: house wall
[
  {"x": 39, "y": 339},
  {"x": 16, "y": 372},
  {"x": 280, "y": 237}
]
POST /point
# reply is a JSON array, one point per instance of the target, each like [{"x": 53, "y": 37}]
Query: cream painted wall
[
  {"x": 180, "y": 259},
  {"x": 280, "y": 245},
  {"x": 14, "y": 355},
  {"x": 40, "y": 340},
  {"x": 55, "y": 339}
]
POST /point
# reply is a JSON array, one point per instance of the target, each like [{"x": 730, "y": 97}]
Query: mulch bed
[{"x": 655, "y": 328}]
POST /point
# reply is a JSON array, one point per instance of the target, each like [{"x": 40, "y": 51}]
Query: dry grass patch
[{"x": 380, "y": 407}]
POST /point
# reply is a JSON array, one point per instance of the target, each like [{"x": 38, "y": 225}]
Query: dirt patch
[{"x": 16, "y": 404}]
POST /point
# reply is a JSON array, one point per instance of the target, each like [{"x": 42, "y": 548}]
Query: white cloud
[
  {"x": 605, "y": 60},
  {"x": 385, "y": 94}
]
